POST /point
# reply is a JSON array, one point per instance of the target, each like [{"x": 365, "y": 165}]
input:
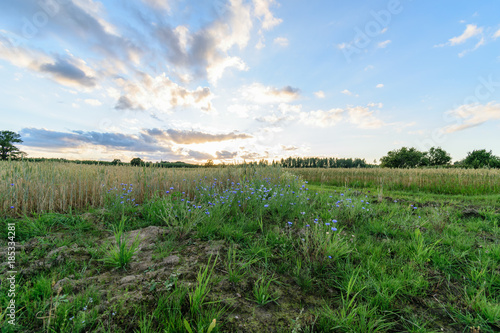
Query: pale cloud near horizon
[
  {"x": 362, "y": 117},
  {"x": 470, "y": 115},
  {"x": 380, "y": 85},
  {"x": 323, "y": 119}
]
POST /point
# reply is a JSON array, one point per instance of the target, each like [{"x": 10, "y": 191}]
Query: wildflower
[
  {"x": 11, "y": 184},
  {"x": 307, "y": 225},
  {"x": 289, "y": 223},
  {"x": 330, "y": 257},
  {"x": 334, "y": 229},
  {"x": 327, "y": 223},
  {"x": 414, "y": 207},
  {"x": 265, "y": 206},
  {"x": 71, "y": 318},
  {"x": 334, "y": 221},
  {"x": 12, "y": 207}
]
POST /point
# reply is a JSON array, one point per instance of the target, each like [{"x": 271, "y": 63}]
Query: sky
[{"x": 234, "y": 80}]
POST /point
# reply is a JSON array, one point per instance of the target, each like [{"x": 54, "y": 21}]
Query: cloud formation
[
  {"x": 471, "y": 31},
  {"x": 194, "y": 137},
  {"x": 162, "y": 94},
  {"x": 65, "y": 72},
  {"x": 471, "y": 115},
  {"x": 323, "y": 119},
  {"x": 261, "y": 94},
  {"x": 281, "y": 41},
  {"x": 319, "y": 94},
  {"x": 225, "y": 155},
  {"x": 384, "y": 44},
  {"x": 263, "y": 12}
]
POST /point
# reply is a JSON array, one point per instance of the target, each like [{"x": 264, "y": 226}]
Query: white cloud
[
  {"x": 159, "y": 4},
  {"x": 163, "y": 94},
  {"x": 241, "y": 110},
  {"x": 259, "y": 93},
  {"x": 378, "y": 105},
  {"x": 471, "y": 30},
  {"x": 93, "y": 102},
  {"x": 369, "y": 67},
  {"x": 470, "y": 115},
  {"x": 364, "y": 118},
  {"x": 383, "y": 45},
  {"x": 322, "y": 118},
  {"x": 380, "y": 85},
  {"x": 290, "y": 109},
  {"x": 262, "y": 11},
  {"x": 319, "y": 94},
  {"x": 281, "y": 41},
  {"x": 347, "y": 92},
  {"x": 497, "y": 34}
]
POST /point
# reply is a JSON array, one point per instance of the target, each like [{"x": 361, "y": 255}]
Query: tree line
[
  {"x": 437, "y": 157},
  {"x": 399, "y": 158}
]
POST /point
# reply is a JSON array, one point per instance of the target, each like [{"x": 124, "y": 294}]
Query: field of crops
[
  {"x": 27, "y": 187},
  {"x": 439, "y": 181},
  {"x": 255, "y": 249}
]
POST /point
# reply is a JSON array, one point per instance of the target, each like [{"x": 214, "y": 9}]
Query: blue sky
[{"x": 182, "y": 80}]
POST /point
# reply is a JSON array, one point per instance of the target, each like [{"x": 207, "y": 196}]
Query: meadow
[{"x": 250, "y": 249}]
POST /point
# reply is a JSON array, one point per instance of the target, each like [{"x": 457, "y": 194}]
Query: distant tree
[
  {"x": 438, "y": 156},
  {"x": 480, "y": 159},
  {"x": 116, "y": 161},
  {"x": 7, "y": 148},
  {"x": 136, "y": 162},
  {"x": 209, "y": 164},
  {"x": 403, "y": 158}
]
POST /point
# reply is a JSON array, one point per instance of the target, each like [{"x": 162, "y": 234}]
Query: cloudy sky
[{"x": 228, "y": 80}]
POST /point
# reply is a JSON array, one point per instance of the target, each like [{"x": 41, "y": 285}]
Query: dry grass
[
  {"x": 32, "y": 187},
  {"x": 440, "y": 181}
]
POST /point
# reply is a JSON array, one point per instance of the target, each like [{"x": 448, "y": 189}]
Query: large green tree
[
  {"x": 480, "y": 159},
  {"x": 438, "y": 156},
  {"x": 7, "y": 148},
  {"x": 136, "y": 161},
  {"x": 403, "y": 158}
]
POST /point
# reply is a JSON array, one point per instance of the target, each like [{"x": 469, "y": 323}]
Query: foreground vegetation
[{"x": 121, "y": 249}]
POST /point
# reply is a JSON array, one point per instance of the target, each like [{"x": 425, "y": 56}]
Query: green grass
[{"x": 255, "y": 250}]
